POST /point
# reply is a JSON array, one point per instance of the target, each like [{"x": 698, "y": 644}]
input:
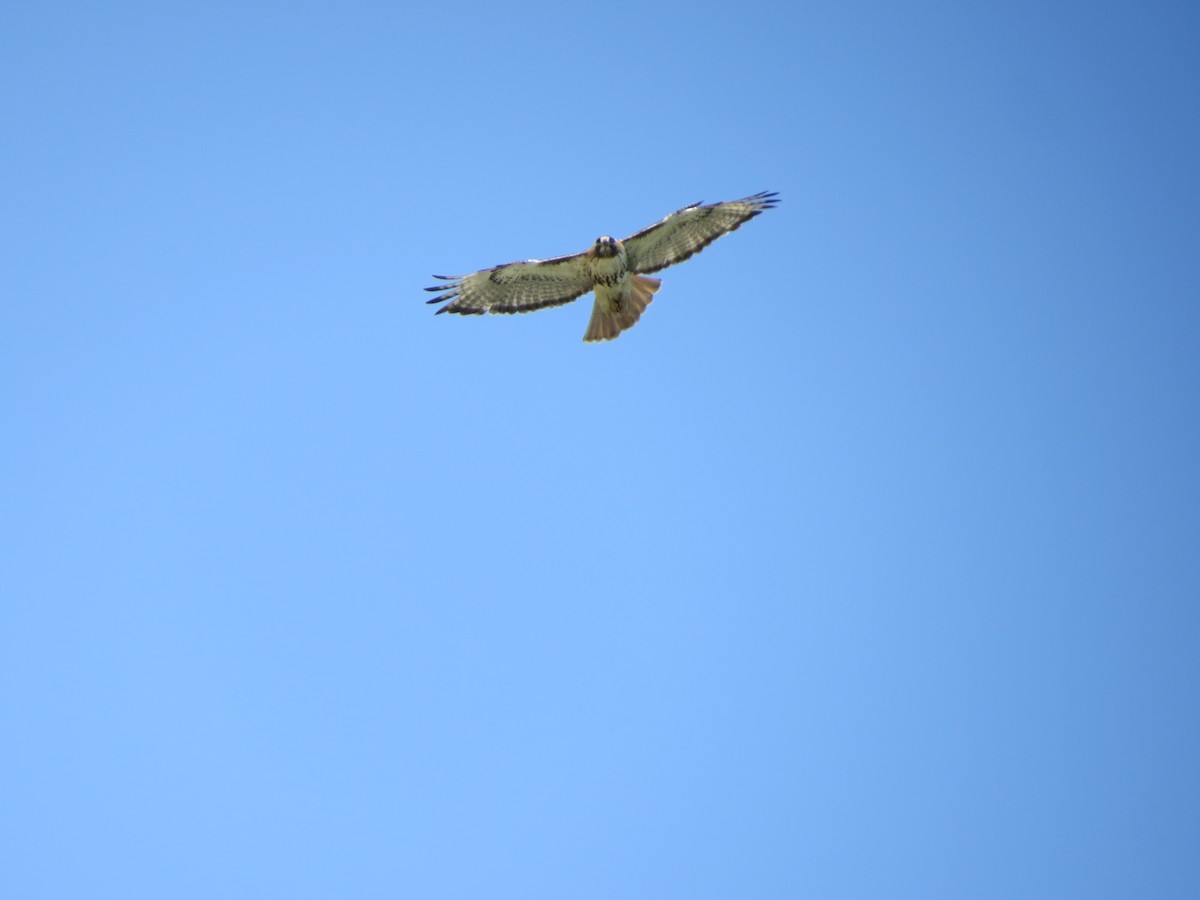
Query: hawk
[{"x": 614, "y": 269}]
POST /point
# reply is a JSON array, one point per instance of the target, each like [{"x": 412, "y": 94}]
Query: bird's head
[{"x": 606, "y": 247}]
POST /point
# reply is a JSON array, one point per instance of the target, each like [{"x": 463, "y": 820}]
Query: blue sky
[{"x": 866, "y": 565}]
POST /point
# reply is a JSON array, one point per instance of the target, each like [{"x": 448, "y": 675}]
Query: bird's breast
[{"x": 609, "y": 271}]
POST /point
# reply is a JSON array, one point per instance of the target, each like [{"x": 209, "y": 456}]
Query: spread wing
[
  {"x": 690, "y": 230},
  {"x": 515, "y": 287}
]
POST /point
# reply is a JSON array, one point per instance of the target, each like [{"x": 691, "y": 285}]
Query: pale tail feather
[{"x": 605, "y": 325}]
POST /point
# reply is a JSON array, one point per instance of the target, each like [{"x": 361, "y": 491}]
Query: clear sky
[{"x": 866, "y": 565}]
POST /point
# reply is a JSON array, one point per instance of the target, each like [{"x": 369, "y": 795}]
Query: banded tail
[{"x": 612, "y": 316}]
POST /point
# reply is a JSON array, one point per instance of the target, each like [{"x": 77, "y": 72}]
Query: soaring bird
[{"x": 615, "y": 270}]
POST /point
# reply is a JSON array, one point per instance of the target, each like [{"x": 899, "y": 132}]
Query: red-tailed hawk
[{"x": 614, "y": 269}]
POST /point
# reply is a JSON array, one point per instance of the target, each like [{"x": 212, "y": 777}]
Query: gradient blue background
[{"x": 867, "y": 565}]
